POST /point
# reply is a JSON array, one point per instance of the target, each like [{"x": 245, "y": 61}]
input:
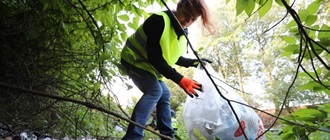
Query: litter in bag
[{"x": 210, "y": 115}]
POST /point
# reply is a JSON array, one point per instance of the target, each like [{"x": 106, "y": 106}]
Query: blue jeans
[{"x": 155, "y": 92}]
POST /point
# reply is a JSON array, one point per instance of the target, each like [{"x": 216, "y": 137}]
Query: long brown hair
[{"x": 201, "y": 8}]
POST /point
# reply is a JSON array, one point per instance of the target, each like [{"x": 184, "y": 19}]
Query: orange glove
[{"x": 189, "y": 86}]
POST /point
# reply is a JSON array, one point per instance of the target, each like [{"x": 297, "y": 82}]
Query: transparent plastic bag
[{"x": 212, "y": 116}]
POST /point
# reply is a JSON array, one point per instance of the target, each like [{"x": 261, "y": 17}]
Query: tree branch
[{"x": 87, "y": 104}]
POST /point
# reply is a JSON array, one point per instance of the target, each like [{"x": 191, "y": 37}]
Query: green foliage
[
  {"x": 67, "y": 48},
  {"x": 312, "y": 120},
  {"x": 316, "y": 44},
  {"x": 72, "y": 48}
]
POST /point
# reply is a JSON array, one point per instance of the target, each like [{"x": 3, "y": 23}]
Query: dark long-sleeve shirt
[{"x": 153, "y": 28}]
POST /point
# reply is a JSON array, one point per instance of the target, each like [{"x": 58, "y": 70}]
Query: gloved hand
[
  {"x": 189, "y": 86},
  {"x": 195, "y": 64}
]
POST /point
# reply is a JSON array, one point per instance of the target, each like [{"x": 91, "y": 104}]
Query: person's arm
[
  {"x": 185, "y": 62},
  {"x": 153, "y": 28}
]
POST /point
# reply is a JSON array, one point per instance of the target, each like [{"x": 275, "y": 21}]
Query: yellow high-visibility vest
[{"x": 135, "y": 49}]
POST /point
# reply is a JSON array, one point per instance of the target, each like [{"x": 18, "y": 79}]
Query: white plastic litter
[{"x": 212, "y": 116}]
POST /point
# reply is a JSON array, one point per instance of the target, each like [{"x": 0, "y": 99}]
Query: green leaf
[
  {"x": 314, "y": 7},
  {"x": 299, "y": 132},
  {"x": 249, "y": 7},
  {"x": 320, "y": 89},
  {"x": 289, "y": 39},
  {"x": 82, "y": 25},
  {"x": 303, "y": 74},
  {"x": 90, "y": 68},
  {"x": 317, "y": 48},
  {"x": 123, "y": 35},
  {"x": 141, "y": 3},
  {"x": 327, "y": 76},
  {"x": 325, "y": 41},
  {"x": 131, "y": 25},
  {"x": 260, "y": 2},
  {"x": 124, "y": 17},
  {"x": 312, "y": 33},
  {"x": 104, "y": 56},
  {"x": 239, "y": 6},
  {"x": 265, "y": 8},
  {"x": 122, "y": 69},
  {"x": 121, "y": 27},
  {"x": 138, "y": 11},
  {"x": 290, "y": 49},
  {"x": 198, "y": 134},
  {"x": 135, "y": 24},
  {"x": 288, "y": 118},
  {"x": 86, "y": 62},
  {"x": 128, "y": 7},
  {"x": 287, "y": 133},
  {"x": 45, "y": 6},
  {"x": 310, "y": 19},
  {"x": 327, "y": 92},
  {"x": 325, "y": 32},
  {"x": 97, "y": 86},
  {"x": 279, "y": 2},
  {"x": 325, "y": 107},
  {"x": 307, "y": 114},
  {"x": 309, "y": 86},
  {"x": 105, "y": 73},
  {"x": 291, "y": 24},
  {"x": 45, "y": 3},
  {"x": 303, "y": 14}
]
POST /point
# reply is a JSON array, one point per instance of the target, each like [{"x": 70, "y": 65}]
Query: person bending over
[{"x": 150, "y": 54}]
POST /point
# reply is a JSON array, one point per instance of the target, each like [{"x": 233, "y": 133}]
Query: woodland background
[{"x": 60, "y": 63}]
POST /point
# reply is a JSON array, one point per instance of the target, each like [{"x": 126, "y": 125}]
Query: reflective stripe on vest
[{"x": 135, "y": 51}]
